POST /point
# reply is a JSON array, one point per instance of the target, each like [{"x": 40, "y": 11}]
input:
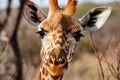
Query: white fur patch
[{"x": 71, "y": 49}]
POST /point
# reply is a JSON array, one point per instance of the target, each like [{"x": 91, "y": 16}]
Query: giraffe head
[{"x": 61, "y": 30}]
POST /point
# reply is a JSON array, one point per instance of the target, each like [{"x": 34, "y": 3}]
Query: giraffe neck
[{"x": 44, "y": 74}]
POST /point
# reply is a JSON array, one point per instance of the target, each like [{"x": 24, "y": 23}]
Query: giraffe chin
[{"x": 56, "y": 70}]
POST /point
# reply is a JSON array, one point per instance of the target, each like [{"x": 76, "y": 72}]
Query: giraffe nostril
[
  {"x": 53, "y": 61},
  {"x": 62, "y": 61},
  {"x": 50, "y": 61},
  {"x": 56, "y": 59}
]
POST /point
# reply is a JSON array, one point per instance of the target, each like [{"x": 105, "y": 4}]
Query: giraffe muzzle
[
  {"x": 57, "y": 59},
  {"x": 57, "y": 64}
]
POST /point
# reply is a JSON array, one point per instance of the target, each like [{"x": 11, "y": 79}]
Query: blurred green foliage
[
  {"x": 83, "y": 8},
  {"x": 84, "y": 45}
]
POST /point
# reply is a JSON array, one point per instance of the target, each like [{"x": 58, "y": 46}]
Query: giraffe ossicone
[{"x": 60, "y": 31}]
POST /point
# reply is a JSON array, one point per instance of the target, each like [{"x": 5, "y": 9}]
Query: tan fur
[
  {"x": 60, "y": 32},
  {"x": 61, "y": 27},
  {"x": 58, "y": 23}
]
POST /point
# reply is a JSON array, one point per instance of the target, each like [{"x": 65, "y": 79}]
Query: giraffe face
[
  {"x": 59, "y": 35},
  {"x": 60, "y": 31}
]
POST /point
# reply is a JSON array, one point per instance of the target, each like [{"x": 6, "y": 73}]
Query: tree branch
[
  {"x": 98, "y": 58},
  {"x": 14, "y": 43}
]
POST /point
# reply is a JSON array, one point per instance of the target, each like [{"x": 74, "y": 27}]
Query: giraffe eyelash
[
  {"x": 41, "y": 33},
  {"x": 78, "y": 35}
]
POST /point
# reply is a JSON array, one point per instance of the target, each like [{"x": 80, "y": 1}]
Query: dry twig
[{"x": 96, "y": 54}]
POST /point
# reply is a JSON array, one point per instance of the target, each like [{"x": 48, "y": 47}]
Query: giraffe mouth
[
  {"x": 56, "y": 77},
  {"x": 56, "y": 70}
]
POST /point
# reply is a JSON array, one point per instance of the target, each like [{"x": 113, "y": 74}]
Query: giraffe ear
[
  {"x": 95, "y": 18},
  {"x": 32, "y": 14}
]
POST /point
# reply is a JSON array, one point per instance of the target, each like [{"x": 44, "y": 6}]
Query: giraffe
[{"x": 59, "y": 32}]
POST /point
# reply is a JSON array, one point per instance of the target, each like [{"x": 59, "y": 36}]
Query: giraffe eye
[
  {"x": 41, "y": 33},
  {"x": 77, "y": 35}
]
